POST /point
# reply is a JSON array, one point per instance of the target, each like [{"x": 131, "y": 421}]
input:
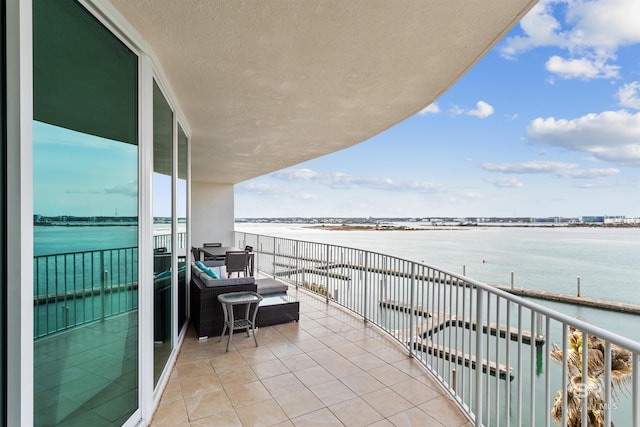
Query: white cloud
[
  {"x": 629, "y": 96},
  {"x": 593, "y": 173},
  {"x": 483, "y": 110},
  {"x": 430, "y": 109},
  {"x": 590, "y": 31},
  {"x": 506, "y": 182},
  {"x": 534, "y": 166},
  {"x": 258, "y": 188},
  {"x": 604, "y": 25},
  {"x": 457, "y": 110},
  {"x": 295, "y": 174},
  {"x": 582, "y": 68},
  {"x": 612, "y": 136},
  {"x": 539, "y": 27},
  {"x": 340, "y": 180},
  {"x": 559, "y": 169},
  {"x": 472, "y": 195}
]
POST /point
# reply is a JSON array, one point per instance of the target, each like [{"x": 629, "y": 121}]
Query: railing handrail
[
  {"x": 156, "y": 237},
  {"x": 85, "y": 252},
  {"x": 577, "y": 323}
]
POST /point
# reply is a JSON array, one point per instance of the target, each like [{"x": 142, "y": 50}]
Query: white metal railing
[
  {"x": 506, "y": 360},
  {"x": 76, "y": 288}
]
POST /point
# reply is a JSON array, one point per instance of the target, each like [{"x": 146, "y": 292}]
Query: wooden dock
[
  {"x": 405, "y": 308},
  {"x": 572, "y": 299},
  {"x": 322, "y": 268},
  {"x": 292, "y": 270},
  {"x": 491, "y": 328},
  {"x": 465, "y": 359},
  {"x": 439, "y": 321}
]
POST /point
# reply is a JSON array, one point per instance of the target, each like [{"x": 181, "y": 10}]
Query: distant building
[{"x": 593, "y": 219}]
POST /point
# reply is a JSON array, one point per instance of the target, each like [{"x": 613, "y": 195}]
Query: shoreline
[{"x": 391, "y": 227}]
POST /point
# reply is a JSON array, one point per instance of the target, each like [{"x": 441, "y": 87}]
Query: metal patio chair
[{"x": 236, "y": 262}]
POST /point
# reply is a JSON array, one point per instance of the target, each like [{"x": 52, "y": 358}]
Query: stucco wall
[{"x": 212, "y": 213}]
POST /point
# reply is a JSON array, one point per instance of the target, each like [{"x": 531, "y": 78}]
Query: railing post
[
  {"x": 512, "y": 281},
  {"x": 366, "y": 287},
  {"x": 607, "y": 384},
  {"x": 412, "y": 309},
  {"x": 326, "y": 287},
  {"x": 635, "y": 389},
  {"x": 298, "y": 263},
  {"x": 257, "y": 254},
  {"x": 65, "y": 316},
  {"x": 102, "y": 284},
  {"x": 478, "y": 332},
  {"x": 585, "y": 378},
  {"x": 273, "y": 259}
]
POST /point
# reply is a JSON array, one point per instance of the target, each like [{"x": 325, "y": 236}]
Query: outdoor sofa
[{"x": 206, "y": 312}]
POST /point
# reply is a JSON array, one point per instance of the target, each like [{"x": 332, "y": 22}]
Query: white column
[
  {"x": 19, "y": 213},
  {"x": 145, "y": 236},
  {"x": 212, "y": 213}
]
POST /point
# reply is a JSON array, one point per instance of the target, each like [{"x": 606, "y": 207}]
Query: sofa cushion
[
  {"x": 207, "y": 270},
  {"x": 208, "y": 282},
  {"x": 271, "y": 286},
  {"x": 212, "y": 283}
]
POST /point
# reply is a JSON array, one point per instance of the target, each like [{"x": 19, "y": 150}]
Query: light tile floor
[
  {"x": 330, "y": 369},
  {"x": 87, "y": 375}
]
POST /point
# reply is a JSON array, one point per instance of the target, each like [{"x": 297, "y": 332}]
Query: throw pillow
[{"x": 207, "y": 270}]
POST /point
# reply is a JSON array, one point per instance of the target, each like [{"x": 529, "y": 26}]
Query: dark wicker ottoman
[{"x": 276, "y": 309}]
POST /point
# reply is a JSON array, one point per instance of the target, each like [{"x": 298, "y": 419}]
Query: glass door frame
[
  {"x": 3, "y": 219},
  {"x": 19, "y": 208},
  {"x": 177, "y": 334}
]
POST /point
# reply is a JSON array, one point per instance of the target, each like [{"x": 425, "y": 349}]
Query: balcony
[
  {"x": 505, "y": 360},
  {"x": 380, "y": 339},
  {"x": 330, "y": 368}
]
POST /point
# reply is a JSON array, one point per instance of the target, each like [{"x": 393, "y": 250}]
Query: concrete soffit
[{"x": 264, "y": 85}]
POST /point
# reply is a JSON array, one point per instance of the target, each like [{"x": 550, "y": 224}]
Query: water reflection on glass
[
  {"x": 162, "y": 229},
  {"x": 85, "y": 198}
]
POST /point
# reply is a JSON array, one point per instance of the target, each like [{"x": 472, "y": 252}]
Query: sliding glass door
[
  {"x": 85, "y": 198},
  {"x": 163, "y": 244},
  {"x": 181, "y": 209}
]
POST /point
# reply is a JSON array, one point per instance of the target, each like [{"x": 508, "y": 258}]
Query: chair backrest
[
  {"x": 161, "y": 262},
  {"x": 236, "y": 261},
  {"x": 195, "y": 252},
  {"x": 212, "y": 245}
]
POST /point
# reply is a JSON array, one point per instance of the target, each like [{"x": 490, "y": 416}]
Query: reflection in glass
[
  {"x": 85, "y": 185},
  {"x": 182, "y": 227},
  {"x": 162, "y": 229}
]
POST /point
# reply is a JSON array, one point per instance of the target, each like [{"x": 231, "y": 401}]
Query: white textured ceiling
[{"x": 266, "y": 84}]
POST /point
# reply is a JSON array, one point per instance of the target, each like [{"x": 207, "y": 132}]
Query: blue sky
[
  {"x": 83, "y": 175},
  {"x": 546, "y": 124}
]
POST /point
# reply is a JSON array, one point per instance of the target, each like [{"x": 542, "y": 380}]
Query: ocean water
[
  {"x": 49, "y": 240},
  {"x": 545, "y": 258}
]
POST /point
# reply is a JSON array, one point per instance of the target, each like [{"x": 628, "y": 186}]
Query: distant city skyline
[{"x": 546, "y": 124}]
